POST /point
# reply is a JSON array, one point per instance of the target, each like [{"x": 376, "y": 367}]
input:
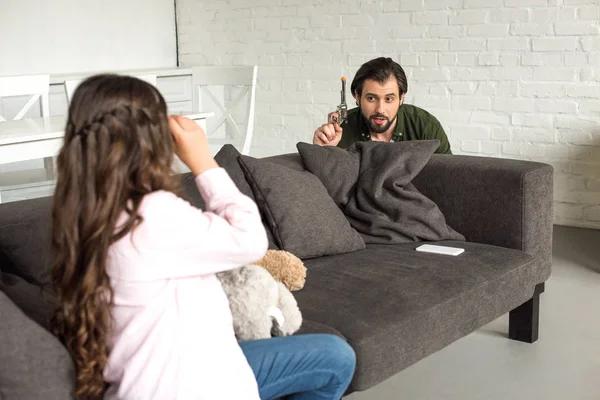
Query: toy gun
[{"x": 342, "y": 109}]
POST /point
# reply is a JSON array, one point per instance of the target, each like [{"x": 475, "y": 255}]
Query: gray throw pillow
[
  {"x": 227, "y": 158},
  {"x": 302, "y": 216},
  {"x": 33, "y": 363},
  {"x": 371, "y": 183}
]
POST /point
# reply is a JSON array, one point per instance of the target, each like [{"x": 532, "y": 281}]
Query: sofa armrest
[{"x": 502, "y": 202}]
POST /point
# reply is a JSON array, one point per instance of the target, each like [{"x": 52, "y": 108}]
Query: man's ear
[
  {"x": 356, "y": 98},
  {"x": 402, "y": 98}
]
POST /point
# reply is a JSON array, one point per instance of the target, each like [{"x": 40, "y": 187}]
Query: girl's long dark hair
[{"x": 117, "y": 148}]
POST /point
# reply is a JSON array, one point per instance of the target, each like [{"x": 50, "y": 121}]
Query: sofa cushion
[
  {"x": 25, "y": 230},
  {"x": 395, "y": 305},
  {"x": 310, "y": 327},
  {"x": 33, "y": 363},
  {"x": 36, "y": 302},
  {"x": 302, "y": 216},
  {"x": 372, "y": 183}
]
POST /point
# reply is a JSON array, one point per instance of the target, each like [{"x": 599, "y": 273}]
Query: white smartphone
[{"x": 433, "y": 248}]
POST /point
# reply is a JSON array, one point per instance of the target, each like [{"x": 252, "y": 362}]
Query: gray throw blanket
[{"x": 371, "y": 183}]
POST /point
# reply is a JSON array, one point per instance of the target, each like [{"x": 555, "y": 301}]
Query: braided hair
[{"x": 117, "y": 148}]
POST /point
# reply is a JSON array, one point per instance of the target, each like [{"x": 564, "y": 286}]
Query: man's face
[{"x": 379, "y": 103}]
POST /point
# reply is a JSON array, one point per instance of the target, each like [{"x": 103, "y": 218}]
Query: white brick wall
[{"x": 507, "y": 78}]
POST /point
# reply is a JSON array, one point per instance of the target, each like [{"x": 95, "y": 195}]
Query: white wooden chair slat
[
  {"x": 203, "y": 77},
  {"x": 35, "y": 86},
  {"x": 38, "y": 88}
]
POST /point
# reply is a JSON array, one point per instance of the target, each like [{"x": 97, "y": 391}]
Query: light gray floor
[{"x": 564, "y": 364}]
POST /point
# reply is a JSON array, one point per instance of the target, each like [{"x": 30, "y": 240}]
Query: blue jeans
[{"x": 305, "y": 367}]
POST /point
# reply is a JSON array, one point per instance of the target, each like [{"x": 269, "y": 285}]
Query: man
[{"x": 379, "y": 87}]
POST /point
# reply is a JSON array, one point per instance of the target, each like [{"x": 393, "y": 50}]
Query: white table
[{"x": 34, "y": 138}]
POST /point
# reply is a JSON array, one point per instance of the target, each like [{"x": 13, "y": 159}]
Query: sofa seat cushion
[
  {"x": 310, "y": 327},
  {"x": 395, "y": 305}
]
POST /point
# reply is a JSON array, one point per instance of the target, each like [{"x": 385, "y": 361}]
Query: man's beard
[{"x": 375, "y": 128}]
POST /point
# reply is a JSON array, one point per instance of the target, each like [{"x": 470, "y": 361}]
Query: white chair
[
  {"x": 71, "y": 85},
  {"x": 37, "y": 88},
  {"x": 204, "y": 77}
]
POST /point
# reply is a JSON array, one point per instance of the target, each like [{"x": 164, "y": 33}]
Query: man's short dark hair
[{"x": 380, "y": 70}]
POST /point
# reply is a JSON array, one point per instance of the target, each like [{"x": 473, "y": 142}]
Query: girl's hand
[{"x": 191, "y": 145}]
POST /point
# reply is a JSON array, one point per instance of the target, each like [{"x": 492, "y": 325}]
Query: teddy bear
[
  {"x": 285, "y": 268},
  {"x": 260, "y": 298},
  {"x": 261, "y": 306}
]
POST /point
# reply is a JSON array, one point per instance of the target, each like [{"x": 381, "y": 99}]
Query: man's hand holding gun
[{"x": 330, "y": 134}]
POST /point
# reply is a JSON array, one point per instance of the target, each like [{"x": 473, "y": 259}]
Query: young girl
[{"x": 139, "y": 306}]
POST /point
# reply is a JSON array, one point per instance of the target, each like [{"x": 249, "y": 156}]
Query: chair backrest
[
  {"x": 71, "y": 85},
  {"x": 203, "y": 77},
  {"x": 36, "y": 86}
]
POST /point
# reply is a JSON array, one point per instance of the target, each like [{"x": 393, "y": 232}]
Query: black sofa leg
[{"x": 523, "y": 321}]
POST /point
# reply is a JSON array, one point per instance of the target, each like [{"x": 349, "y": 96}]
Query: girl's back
[
  {"x": 134, "y": 265},
  {"x": 170, "y": 313}
]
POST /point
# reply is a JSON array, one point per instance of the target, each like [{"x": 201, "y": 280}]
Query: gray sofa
[{"x": 394, "y": 305}]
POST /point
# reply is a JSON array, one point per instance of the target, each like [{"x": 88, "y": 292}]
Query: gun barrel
[{"x": 343, "y": 92}]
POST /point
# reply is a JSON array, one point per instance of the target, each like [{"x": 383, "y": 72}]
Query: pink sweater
[{"x": 172, "y": 336}]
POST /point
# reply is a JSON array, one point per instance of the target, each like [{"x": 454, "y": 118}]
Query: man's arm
[{"x": 436, "y": 131}]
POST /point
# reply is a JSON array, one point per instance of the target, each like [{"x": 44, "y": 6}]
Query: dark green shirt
[{"x": 414, "y": 123}]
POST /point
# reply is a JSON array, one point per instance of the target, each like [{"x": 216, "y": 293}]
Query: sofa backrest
[
  {"x": 25, "y": 239},
  {"x": 25, "y": 231}
]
